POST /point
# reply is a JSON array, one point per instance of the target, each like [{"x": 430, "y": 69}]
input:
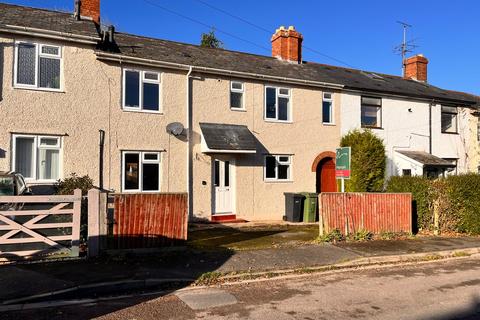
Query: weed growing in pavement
[
  {"x": 333, "y": 236},
  {"x": 433, "y": 256},
  {"x": 362, "y": 235},
  {"x": 208, "y": 278},
  {"x": 461, "y": 254}
]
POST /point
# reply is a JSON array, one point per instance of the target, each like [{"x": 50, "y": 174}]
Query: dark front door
[{"x": 326, "y": 176}]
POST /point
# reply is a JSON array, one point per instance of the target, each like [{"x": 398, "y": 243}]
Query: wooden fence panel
[
  {"x": 374, "y": 212},
  {"x": 39, "y": 226},
  {"x": 149, "y": 220}
]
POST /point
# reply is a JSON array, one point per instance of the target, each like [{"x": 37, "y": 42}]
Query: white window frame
[
  {"x": 38, "y": 55},
  {"x": 278, "y": 162},
  {"x": 38, "y": 146},
  {"x": 142, "y": 160},
  {"x": 277, "y": 95},
  {"x": 142, "y": 80},
  {"x": 332, "y": 109},
  {"x": 242, "y": 91},
  {"x": 379, "y": 112}
]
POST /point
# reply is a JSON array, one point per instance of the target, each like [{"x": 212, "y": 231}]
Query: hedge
[{"x": 456, "y": 197}]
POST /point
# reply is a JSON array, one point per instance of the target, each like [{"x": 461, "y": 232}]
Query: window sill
[
  {"x": 33, "y": 182},
  {"x": 277, "y": 121},
  {"x": 38, "y": 89},
  {"x": 239, "y": 109},
  {"x": 455, "y": 133},
  {"x": 277, "y": 181},
  {"x": 373, "y": 128},
  {"x": 141, "y": 111},
  {"x": 140, "y": 191},
  {"x": 330, "y": 124}
]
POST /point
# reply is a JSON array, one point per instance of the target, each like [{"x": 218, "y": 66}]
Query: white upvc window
[
  {"x": 327, "y": 108},
  {"x": 237, "y": 95},
  {"x": 37, "y": 158},
  {"x": 278, "y": 168},
  {"x": 38, "y": 66},
  {"x": 277, "y": 104},
  {"x": 141, "y": 171},
  {"x": 141, "y": 90}
]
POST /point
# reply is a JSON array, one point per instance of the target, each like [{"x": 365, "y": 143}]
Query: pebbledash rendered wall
[
  {"x": 405, "y": 126},
  {"x": 90, "y": 101},
  {"x": 304, "y": 138}
]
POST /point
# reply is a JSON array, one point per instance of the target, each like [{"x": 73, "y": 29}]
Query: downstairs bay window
[
  {"x": 37, "y": 158},
  {"x": 140, "y": 171}
]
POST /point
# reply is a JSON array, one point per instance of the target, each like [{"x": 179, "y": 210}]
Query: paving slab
[
  {"x": 287, "y": 258},
  {"x": 206, "y": 298},
  {"x": 417, "y": 245}
]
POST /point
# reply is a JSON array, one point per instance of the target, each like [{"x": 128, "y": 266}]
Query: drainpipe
[
  {"x": 189, "y": 144},
  {"x": 100, "y": 159},
  {"x": 430, "y": 148}
]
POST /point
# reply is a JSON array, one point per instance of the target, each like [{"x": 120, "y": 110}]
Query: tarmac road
[{"x": 447, "y": 289}]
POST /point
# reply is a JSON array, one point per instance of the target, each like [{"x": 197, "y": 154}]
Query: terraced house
[{"x": 234, "y": 130}]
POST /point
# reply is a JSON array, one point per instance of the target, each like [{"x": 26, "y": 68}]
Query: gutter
[
  {"x": 178, "y": 66},
  {"x": 35, "y": 32}
]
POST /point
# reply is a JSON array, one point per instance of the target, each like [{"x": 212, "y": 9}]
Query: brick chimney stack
[
  {"x": 416, "y": 68},
  {"x": 287, "y": 44},
  {"x": 88, "y": 9}
]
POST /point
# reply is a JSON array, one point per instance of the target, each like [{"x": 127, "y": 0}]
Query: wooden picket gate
[{"x": 39, "y": 226}]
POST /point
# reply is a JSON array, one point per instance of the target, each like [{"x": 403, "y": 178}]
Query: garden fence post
[{"x": 93, "y": 222}]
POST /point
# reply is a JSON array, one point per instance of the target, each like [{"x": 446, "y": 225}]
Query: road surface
[{"x": 436, "y": 290}]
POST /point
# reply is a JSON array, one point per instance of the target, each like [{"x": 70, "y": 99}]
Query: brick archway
[{"x": 320, "y": 157}]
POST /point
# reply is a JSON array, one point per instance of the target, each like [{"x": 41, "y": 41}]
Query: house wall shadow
[{"x": 174, "y": 259}]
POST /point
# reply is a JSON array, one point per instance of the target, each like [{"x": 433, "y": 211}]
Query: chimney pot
[
  {"x": 287, "y": 44},
  {"x": 415, "y": 68}
]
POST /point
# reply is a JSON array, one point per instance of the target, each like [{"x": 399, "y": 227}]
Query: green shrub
[
  {"x": 368, "y": 161},
  {"x": 333, "y": 236},
  {"x": 362, "y": 235},
  {"x": 69, "y": 184},
  {"x": 422, "y": 195}
]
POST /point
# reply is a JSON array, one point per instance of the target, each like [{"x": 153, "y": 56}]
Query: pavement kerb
[{"x": 231, "y": 279}]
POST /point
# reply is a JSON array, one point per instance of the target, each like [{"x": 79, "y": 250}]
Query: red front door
[{"x": 326, "y": 181}]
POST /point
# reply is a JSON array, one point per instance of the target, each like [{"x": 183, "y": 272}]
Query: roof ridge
[
  {"x": 196, "y": 45},
  {"x": 35, "y": 8}
]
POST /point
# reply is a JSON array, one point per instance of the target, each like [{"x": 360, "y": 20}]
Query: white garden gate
[{"x": 39, "y": 226}]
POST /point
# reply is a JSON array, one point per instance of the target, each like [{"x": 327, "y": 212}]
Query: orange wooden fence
[
  {"x": 374, "y": 212},
  {"x": 149, "y": 220}
]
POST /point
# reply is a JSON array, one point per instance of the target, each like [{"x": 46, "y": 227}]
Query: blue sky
[{"x": 359, "y": 33}]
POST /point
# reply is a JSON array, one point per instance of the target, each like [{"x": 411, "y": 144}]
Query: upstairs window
[
  {"x": 141, "y": 90},
  {"x": 236, "y": 95},
  {"x": 278, "y": 167},
  {"x": 327, "y": 108},
  {"x": 37, "y": 157},
  {"x": 277, "y": 104},
  {"x": 371, "y": 112},
  {"x": 37, "y": 66},
  {"x": 449, "y": 119},
  {"x": 141, "y": 171}
]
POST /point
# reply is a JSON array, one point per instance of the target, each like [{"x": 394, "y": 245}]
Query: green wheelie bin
[{"x": 310, "y": 206}]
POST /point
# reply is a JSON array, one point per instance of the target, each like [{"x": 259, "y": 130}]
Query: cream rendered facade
[
  {"x": 304, "y": 138},
  {"x": 405, "y": 126},
  {"x": 89, "y": 101}
]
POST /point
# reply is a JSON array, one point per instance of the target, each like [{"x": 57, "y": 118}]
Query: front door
[
  {"x": 326, "y": 181},
  {"x": 222, "y": 184}
]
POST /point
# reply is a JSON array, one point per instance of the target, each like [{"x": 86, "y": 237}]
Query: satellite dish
[{"x": 175, "y": 128}]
